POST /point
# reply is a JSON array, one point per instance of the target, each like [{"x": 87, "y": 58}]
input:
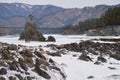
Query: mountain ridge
[{"x": 47, "y": 16}]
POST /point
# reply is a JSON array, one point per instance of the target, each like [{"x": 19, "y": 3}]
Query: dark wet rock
[
  {"x": 102, "y": 59},
  {"x": 41, "y": 62},
  {"x": 112, "y": 68},
  {"x": 56, "y": 68},
  {"x": 29, "y": 61},
  {"x": 12, "y": 78},
  {"x": 6, "y": 55},
  {"x": 28, "y": 78},
  {"x": 2, "y": 63},
  {"x": 13, "y": 66},
  {"x": 22, "y": 64},
  {"x": 71, "y": 47},
  {"x": 85, "y": 57},
  {"x": 23, "y": 58},
  {"x": 39, "y": 55},
  {"x": 51, "y": 45},
  {"x": 55, "y": 53},
  {"x": 40, "y": 71},
  {"x": 2, "y": 78},
  {"x": 26, "y": 53},
  {"x": 12, "y": 47},
  {"x": 90, "y": 77},
  {"x": 51, "y": 61},
  {"x": 115, "y": 56},
  {"x": 74, "y": 55},
  {"x": 51, "y": 39},
  {"x": 30, "y": 33},
  {"x": 19, "y": 76},
  {"x": 44, "y": 62},
  {"x": 3, "y": 71},
  {"x": 97, "y": 63}
]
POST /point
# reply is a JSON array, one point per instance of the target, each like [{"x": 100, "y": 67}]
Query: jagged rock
[
  {"x": 56, "y": 68},
  {"x": 101, "y": 59},
  {"x": 2, "y": 78},
  {"x": 112, "y": 68},
  {"x": 19, "y": 76},
  {"x": 90, "y": 77},
  {"x": 85, "y": 57},
  {"x": 51, "y": 61},
  {"x": 29, "y": 61},
  {"x": 2, "y": 63},
  {"x": 13, "y": 66},
  {"x": 3, "y": 71},
  {"x": 28, "y": 78},
  {"x": 51, "y": 38},
  {"x": 97, "y": 63},
  {"x": 12, "y": 47},
  {"x": 39, "y": 55},
  {"x": 55, "y": 53},
  {"x": 26, "y": 53},
  {"x": 40, "y": 71},
  {"x": 115, "y": 56},
  {"x": 30, "y": 32},
  {"x": 51, "y": 45},
  {"x": 5, "y": 55},
  {"x": 43, "y": 61},
  {"x": 24, "y": 58},
  {"x": 12, "y": 78},
  {"x": 22, "y": 64}
]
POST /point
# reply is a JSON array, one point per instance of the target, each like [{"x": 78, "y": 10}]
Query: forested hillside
[{"x": 110, "y": 18}]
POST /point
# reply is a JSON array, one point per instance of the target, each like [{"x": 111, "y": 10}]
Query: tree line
[{"x": 109, "y": 18}]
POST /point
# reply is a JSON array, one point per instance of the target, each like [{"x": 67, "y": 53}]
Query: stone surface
[
  {"x": 51, "y": 38},
  {"x": 30, "y": 33}
]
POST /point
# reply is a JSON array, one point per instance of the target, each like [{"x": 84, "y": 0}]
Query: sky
[{"x": 66, "y": 3}]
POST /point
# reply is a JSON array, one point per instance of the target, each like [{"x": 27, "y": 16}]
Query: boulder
[
  {"x": 101, "y": 59},
  {"x": 22, "y": 64},
  {"x": 12, "y": 47},
  {"x": 13, "y": 66},
  {"x": 2, "y": 78},
  {"x": 40, "y": 71},
  {"x": 19, "y": 76},
  {"x": 12, "y": 78},
  {"x": 3, "y": 71},
  {"x": 55, "y": 53},
  {"x": 84, "y": 57},
  {"x": 51, "y": 39},
  {"x": 30, "y": 33},
  {"x": 28, "y": 78},
  {"x": 26, "y": 53},
  {"x": 38, "y": 54},
  {"x": 90, "y": 77},
  {"x": 6, "y": 55},
  {"x": 115, "y": 56}
]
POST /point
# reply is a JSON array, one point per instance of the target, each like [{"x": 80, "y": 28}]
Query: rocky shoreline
[
  {"x": 33, "y": 63},
  {"x": 27, "y": 63},
  {"x": 95, "y": 48}
]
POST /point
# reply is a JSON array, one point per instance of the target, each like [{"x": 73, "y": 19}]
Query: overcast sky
[{"x": 66, "y": 3}]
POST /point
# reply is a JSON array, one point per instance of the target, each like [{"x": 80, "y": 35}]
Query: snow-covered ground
[
  {"x": 60, "y": 39},
  {"x": 76, "y": 69}
]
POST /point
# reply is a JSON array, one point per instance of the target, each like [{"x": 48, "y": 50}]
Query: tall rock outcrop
[{"x": 30, "y": 32}]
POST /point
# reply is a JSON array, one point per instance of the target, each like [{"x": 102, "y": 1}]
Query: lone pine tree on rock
[{"x": 30, "y": 32}]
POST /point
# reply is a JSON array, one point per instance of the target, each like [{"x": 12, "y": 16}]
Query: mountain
[
  {"x": 46, "y": 16},
  {"x": 13, "y": 13}
]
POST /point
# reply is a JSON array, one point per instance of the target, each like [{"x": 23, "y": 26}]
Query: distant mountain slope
[{"x": 15, "y": 14}]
